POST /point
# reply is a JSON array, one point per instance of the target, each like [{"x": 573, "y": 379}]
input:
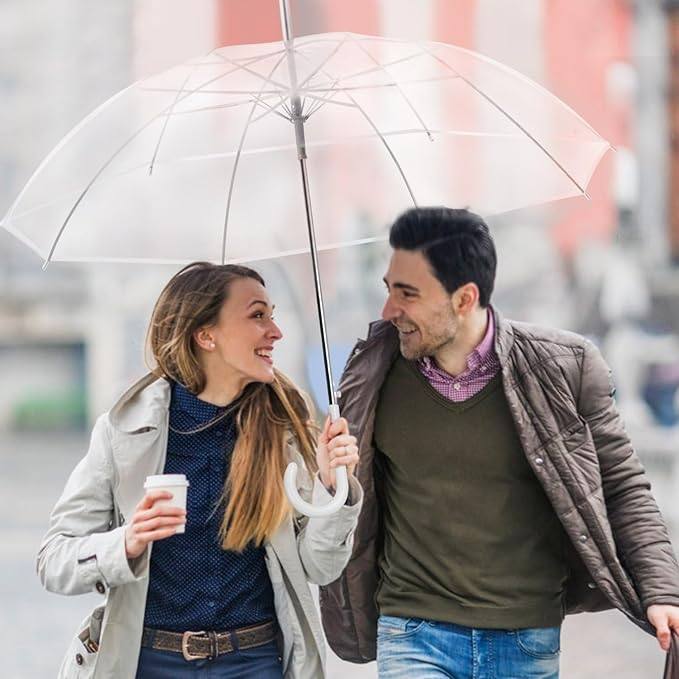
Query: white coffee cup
[{"x": 172, "y": 483}]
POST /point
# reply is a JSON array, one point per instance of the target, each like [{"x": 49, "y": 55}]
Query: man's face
[{"x": 418, "y": 305}]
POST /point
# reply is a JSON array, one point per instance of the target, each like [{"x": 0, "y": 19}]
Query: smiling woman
[
  {"x": 236, "y": 561},
  {"x": 213, "y": 332}
]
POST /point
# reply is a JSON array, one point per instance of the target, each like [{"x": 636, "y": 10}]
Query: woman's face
[{"x": 244, "y": 335}]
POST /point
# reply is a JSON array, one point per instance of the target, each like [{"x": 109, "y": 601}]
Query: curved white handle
[{"x": 341, "y": 485}]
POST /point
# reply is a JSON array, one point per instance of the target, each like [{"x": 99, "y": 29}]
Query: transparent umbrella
[{"x": 221, "y": 158}]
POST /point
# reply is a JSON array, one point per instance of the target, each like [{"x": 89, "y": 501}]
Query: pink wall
[
  {"x": 454, "y": 22},
  {"x": 582, "y": 41},
  {"x": 247, "y": 21}
]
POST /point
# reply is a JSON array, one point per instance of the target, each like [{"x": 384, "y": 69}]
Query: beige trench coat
[{"x": 84, "y": 550}]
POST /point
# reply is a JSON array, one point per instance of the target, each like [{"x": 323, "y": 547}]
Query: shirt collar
[
  {"x": 189, "y": 404},
  {"x": 484, "y": 349}
]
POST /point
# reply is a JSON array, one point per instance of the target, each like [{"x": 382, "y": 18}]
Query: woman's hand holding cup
[{"x": 153, "y": 520}]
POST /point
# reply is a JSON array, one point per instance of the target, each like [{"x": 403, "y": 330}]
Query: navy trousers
[{"x": 261, "y": 662}]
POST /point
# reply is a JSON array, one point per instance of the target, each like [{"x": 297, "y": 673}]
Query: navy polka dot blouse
[{"x": 194, "y": 583}]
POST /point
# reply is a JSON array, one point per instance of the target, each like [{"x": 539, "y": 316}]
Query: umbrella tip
[{"x": 45, "y": 264}]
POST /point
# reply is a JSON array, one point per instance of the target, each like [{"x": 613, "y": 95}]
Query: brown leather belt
[{"x": 208, "y": 645}]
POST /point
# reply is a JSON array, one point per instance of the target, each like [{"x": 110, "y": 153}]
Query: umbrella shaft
[
  {"x": 300, "y": 139},
  {"x": 295, "y": 101},
  {"x": 286, "y": 20},
  {"x": 332, "y": 400},
  {"x": 298, "y": 122}
]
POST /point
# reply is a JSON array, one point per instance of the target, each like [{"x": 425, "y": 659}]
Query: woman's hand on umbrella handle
[
  {"x": 151, "y": 521},
  {"x": 335, "y": 447},
  {"x": 341, "y": 480}
]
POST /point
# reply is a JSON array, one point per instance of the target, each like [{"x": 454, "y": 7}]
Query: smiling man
[{"x": 501, "y": 490}]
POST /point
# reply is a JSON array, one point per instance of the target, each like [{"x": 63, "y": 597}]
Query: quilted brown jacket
[{"x": 560, "y": 394}]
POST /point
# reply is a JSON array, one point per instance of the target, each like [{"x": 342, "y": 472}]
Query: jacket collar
[
  {"x": 504, "y": 337},
  {"x": 144, "y": 405},
  {"x": 383, "y": 331}
]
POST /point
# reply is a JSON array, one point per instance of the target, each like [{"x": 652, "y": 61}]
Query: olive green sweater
[{"x": 469, "y": 535}]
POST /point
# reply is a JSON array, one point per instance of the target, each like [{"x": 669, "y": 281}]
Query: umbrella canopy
[{"x": 200, "y": 162}]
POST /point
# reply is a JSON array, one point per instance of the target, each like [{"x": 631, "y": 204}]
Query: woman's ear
[{"x": 203, "y": 338}]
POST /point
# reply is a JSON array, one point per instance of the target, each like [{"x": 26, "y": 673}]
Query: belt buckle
[{"x": 185, "y": 646}]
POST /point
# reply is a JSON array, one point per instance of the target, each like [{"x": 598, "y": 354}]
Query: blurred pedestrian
[
  {"x": 502, "y": 491},
  {"x": 228, "y": 596}
]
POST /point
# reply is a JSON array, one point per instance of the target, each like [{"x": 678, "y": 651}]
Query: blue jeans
[
  {"x": 412, "y": 647},
  {"x": 261, "y": 662}
]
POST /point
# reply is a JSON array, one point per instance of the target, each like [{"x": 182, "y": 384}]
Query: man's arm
[{"x": 640, "y": 533}]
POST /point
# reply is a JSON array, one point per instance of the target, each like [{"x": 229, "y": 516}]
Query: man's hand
[{"x": 664, "y": 619}]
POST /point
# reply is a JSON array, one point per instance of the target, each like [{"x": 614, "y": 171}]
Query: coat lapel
[{"x": 139, "y": 440}]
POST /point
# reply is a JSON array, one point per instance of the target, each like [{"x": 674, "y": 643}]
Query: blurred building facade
[{"x": 58, "y": 62}]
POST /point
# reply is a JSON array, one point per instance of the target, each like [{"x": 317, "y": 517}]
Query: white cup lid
[{"x": 162, "y": 480}]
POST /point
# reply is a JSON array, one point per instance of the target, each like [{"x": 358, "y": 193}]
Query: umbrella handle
[{"x": 341, "y": 485}]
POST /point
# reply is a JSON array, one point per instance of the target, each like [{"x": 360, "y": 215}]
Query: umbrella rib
[
  {"x": 202, "y": 90},
  {"x": 329, "y": 100},
  {"x": 268, "y": 149},
  {"x": 280, "y": 147},
  {"x": 304, "y": 91},
  {"x": 322, "y": 101},
  {"x": 511, "y": 118},
  {"x": 358, "y": 88},
  {"x": 74, "y": 207},
  {"x": 269, "y": 109},
  {"x": 259, "y": 57},
  {"x": 60, "y": 146},
  {"x": 282, "y": 103},
  {"x": 380, "y": 135},
  {"x": 386, "y": 145},
  {"x": 272, "y": 109},
  {"x": 235, "y": 165},
  {"x": 282, "y": 99},
  {"x": 236, "y": 67},
  {"x": 324, "y": 62},
  {"x": 398, "y": 87},
  {"x": 368, "y": 71},
  {"x": 167, "y": 120},
  {"x": 307, "y": 93},
  {"x": 356, "y": 74},
  {"x": 267, "y": 79},
  {"x": 217, "y": 107},
  {"x": 113, "y": 156}
]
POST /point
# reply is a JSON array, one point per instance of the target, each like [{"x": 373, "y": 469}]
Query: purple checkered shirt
[{"x": 482, "y": 366}]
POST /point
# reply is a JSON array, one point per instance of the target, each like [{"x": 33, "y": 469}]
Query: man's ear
[{"x": 465, "y": 298}]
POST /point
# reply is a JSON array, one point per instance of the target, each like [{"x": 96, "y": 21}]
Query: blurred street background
[{"x": 72, "y": 337}]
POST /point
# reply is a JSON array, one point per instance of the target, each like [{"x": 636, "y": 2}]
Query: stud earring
[{"x": 212, "y": 345}]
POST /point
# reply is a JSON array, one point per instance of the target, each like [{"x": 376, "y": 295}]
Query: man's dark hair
[{"x": 456, "y": 243}]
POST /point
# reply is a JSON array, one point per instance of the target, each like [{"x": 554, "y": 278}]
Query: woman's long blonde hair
[{"x": 267, "y": 413}]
